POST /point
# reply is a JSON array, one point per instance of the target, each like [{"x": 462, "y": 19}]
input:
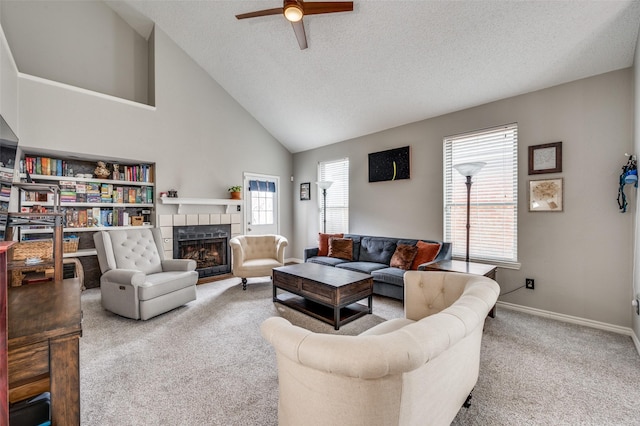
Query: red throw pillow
[
  {"x": 342, "y": 248},
  {"x": 403, "y": 256},
  {"x": 426, "y": 253},
  {"x": 323, "y": 243}
]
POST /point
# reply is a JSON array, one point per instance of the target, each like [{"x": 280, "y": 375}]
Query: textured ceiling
[{"x": 389, "y": 63}]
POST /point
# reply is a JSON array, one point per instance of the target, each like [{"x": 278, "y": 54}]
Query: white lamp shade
[
  {"x": 293, "y": 13},
  {"x": 324, "y": 184},
  {"x": 469, "y": 169}
]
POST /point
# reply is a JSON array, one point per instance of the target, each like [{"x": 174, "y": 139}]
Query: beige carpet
[{"x": 206, "y": 364}]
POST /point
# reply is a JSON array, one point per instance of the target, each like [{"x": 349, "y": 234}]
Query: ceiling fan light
[{"x": 293, "y": 12}]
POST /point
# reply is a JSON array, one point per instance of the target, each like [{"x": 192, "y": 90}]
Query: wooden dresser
[{"x": 44, "y": 328}]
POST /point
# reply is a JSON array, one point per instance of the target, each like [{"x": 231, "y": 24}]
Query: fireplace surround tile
[
  {"x": 203, "y": 219},
  {"x": 214, "y": 219},
  {"x": 179, "y": 220}
]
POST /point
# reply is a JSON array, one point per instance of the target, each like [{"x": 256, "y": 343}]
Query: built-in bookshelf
[
  {"x": 92, "y": 197},
  {"x": 90, "y": 203}
]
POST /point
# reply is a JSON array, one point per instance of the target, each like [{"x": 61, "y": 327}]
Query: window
[
  {"x": 262, "y": 193},
  {"x": 494, "y": 195},
  {"x": 337, "y": 207}
]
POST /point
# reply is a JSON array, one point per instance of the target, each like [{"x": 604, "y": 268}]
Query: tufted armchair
[
  {"x": 417, "y": 370},
  {"x": 137, "y": 282},
  {"x": 256, "y": 255}
]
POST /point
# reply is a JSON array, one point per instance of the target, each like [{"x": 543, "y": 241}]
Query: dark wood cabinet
[{"x": 44, "y": 328}]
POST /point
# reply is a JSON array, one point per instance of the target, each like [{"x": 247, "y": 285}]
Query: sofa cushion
[
  {"x": 364, "y": 267},
  {"x": 403, "y": 256},
  {"x": 341, "y": 248},
  {"x": 323, "y": 243},
  {"x": 426, "y": 253},
  {"x": 377, "y": 249},
  {"x": 393, "y": 276},
  {"x": 325, "y": 260}
]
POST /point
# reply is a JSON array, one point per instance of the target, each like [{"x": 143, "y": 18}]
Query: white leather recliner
[
  {"x": 137, "y": 282},
  {"x": 256, "y": 255}
]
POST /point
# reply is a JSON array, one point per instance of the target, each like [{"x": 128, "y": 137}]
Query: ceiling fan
[{"x": 294, "y": 11}]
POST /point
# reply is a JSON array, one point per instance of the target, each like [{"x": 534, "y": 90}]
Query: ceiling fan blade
[
  {"x": 257, "y": 13},
  {"x": 298, "y": 28},
  {"x": 317, "y": 7}
]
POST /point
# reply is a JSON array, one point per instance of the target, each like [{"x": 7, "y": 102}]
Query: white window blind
[
  {"x": 337, "y": 195},
  {"x": 494, "y": 195}
]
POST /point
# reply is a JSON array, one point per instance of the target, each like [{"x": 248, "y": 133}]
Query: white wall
[
  {"x": 8, "y": 84},
  {"x": 200, "y": 138},
  {"x": 84, "y": 44},
  {"x": 581, "y": 258}
]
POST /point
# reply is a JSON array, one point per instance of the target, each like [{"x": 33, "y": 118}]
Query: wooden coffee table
[{"x": 323, "y": 292}]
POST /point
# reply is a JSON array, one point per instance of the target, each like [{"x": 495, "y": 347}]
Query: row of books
[
  {"x": 80, "y": 192},
  {"x": 55, "y": 167},
  {"x": 93, "y": 217}
]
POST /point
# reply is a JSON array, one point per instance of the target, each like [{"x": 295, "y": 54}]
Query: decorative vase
[
  {"x": 236, "y": 195},
  {"x": 101, "y": 171}
]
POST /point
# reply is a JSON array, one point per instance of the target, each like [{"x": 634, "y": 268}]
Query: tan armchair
[
  {"x": 137, "y": 282},
  {"x": 417, "y": 370},
  {"x": 256, "y": 255}
]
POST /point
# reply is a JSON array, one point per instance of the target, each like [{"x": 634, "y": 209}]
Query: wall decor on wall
[
  {"x": 305, "y": 191},
  {"x": 393, "y": 164},
  {"x": 545, "y": 158},
  {"x": 546, "y": 195}
]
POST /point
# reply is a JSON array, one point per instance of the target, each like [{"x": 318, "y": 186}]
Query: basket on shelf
[
  {"x": 42, "y": 249},
  {"x": 70, "y": 244}
]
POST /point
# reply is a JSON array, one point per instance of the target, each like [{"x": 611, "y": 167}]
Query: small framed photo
[
  {"x": 305, "y": 191},
  {"x": 546, "y": 195},
  {"x": 545, "y": 158}
]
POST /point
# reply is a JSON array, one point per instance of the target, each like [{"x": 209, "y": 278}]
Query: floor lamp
[
  {"x": 324, "y": 185},
  {"x": 468, "y": 170}
]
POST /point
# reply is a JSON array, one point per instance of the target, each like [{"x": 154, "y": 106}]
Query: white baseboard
[
  {"x": 573, "y": 320},
  {"x": 636, "y": 342}
]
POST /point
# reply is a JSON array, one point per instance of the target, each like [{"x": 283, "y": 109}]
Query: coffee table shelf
[{"x": 320, "y": 311}]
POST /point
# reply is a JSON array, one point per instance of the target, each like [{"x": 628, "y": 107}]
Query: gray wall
[
  {"x": 636, "y": 206},
  {"x": 581, "y": 258},
  {"x": 200, "y": 138},
  {"x": 84, "y": 44}
]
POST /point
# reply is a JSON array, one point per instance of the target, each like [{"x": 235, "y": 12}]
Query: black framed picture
[
  {"x": 393, "y": 164},
  {"x": 545, "y": 158},
  {"x": 305, "y": 191}
]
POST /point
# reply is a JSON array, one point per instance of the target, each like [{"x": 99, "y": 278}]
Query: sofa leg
[
  {"x": 244, "y": 283},
  {"x": 467, "y": 403}
]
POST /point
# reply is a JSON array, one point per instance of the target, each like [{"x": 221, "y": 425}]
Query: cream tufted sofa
[
  {"x": 137, "y": 282},
  {"x": 413, "y": 371},
  {"x": 256, "y": 255}
]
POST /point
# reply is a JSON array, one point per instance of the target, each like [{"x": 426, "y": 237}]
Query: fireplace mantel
[{"x": 201, "y": 202}]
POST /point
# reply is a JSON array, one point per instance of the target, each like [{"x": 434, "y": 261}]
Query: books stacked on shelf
[
  {"x": 93, "y": 192},
  {"x": 96, "y": 216},
  {"x": 81, "y": 192},
  {"x": 5, "y": 190},
  {"x": 106, "y": 192},
  {"x": 139, "y": 173},
  {"x": 67, "y": 191},
  {"x": 38, "y": 165},
  {"x": 45, "y": 166}
]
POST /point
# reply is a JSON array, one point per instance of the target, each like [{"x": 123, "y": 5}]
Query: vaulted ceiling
[{"x": 389, "y": 63}]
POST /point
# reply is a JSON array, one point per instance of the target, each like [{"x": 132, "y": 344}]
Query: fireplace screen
[
  {"x": 206, "y": 253},
  {"x": 208, "y": 245}
]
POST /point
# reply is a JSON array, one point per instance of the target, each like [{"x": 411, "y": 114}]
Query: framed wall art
[
  {"x": 546, "y": 195},
  {"x": 545, "y": 158},
  {"x": 393, "y": 164},
  {"x": 305, "y": 191}
]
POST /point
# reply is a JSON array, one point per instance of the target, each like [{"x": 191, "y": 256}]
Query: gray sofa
[{"x": 372, "y": 255}]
